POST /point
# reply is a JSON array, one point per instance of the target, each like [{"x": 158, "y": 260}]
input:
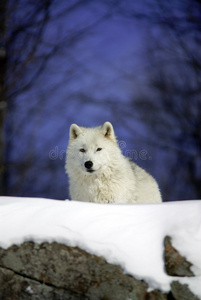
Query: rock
[
  {"x": 175, "y": 263},
  {"x": 60, "y": 272},
  {"x": 17, "y": 287},
  {"x": 182, "y": 292},
  {"x": 57, "y": 272}
]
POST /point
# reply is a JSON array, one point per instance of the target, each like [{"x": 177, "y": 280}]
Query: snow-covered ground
[{"x": 129, "y": 235}]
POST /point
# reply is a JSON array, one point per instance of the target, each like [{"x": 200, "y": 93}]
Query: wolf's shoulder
[{"x": 138, "y": 171}]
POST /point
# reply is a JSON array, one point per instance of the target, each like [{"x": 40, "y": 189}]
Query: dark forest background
[{"x": 136, "y": 64}]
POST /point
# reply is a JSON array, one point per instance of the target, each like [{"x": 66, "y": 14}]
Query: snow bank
[{"x": 130, "y": 235}]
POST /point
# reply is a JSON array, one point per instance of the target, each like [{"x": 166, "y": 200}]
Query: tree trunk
[{"x": 2, "y": 91}]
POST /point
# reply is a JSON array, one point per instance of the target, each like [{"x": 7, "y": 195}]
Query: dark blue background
[{"x": 133, "y": 63}]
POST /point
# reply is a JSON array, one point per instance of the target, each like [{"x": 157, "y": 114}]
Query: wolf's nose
[{"x": 88, "y": 164}]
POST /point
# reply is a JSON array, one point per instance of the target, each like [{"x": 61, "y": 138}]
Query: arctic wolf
[{"x": 99, "y": 172}]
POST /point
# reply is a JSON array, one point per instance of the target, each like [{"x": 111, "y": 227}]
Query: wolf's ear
[
  {"x": 109, "y": 131},
  {"x": 74, "y": 131}
]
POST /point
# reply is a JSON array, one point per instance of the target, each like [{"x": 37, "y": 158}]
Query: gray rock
[
  {"x": 54, "y": 271},
  {"x": 175, "y": 263},
  {"x": 17, "y": 287},
  {"x": 182, "y": 292}
]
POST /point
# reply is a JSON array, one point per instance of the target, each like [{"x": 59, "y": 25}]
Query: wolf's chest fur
[{"x": 109, "y": 187}]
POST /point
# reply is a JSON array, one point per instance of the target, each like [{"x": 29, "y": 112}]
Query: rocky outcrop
[
  {"x": 178, "y": 266},
  {"x": 175, "y": 264},
  {"x": 58, "y": 272},
  {"x": 181, "y": 291}
]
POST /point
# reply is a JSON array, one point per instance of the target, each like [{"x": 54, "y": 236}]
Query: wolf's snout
[{"x": 88, "y": 164}]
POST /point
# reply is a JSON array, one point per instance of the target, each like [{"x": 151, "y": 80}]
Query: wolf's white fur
[{"x": 113, "y": 178}]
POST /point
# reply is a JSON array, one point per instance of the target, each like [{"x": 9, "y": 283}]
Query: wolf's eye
[
  {"x": 99, "y": 149},
  {"x": 82, "y": 150}
]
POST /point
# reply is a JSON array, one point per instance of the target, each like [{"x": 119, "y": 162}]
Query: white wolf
[{"x": 98, "y": 171}]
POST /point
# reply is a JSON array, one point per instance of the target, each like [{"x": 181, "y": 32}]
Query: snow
[{"x": 130, "y": 235}]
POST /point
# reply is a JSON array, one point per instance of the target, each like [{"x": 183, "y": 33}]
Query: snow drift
[{"x": 130, "y": 235}]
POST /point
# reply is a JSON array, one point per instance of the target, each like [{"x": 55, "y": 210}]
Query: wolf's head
[{"x": 91, "y": 149}]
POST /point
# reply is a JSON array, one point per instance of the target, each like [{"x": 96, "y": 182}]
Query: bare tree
[
  {"x": 33, "y": 36},
  {"x": 22, "y": 27},
  {"x": 172, "y": 106},
  {"x": 2, "y": 87}
]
